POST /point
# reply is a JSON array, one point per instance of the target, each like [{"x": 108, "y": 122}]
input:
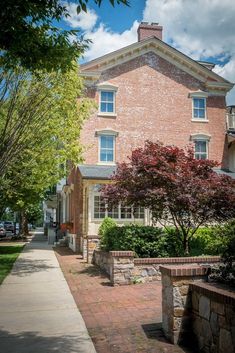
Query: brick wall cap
[
  {"x": 122, "y": 253},
  {"x": 183, "y": 270},
  {"x": 216, "y": 292},
  {"x": 174, "y": 260}
]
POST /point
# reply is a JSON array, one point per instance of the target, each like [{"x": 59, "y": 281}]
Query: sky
[{"x": 201, "y": 29}]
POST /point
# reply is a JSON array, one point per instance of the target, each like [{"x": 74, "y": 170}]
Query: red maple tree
[{"x": 178, "y": 189}]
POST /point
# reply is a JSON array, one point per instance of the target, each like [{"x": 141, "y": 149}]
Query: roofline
[{"x": 148, "y": 40}]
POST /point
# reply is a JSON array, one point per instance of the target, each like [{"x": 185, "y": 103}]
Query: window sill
[
  {"x": 200, "y": 120},
  {"x": 107, "y": 115},
  {"x": 106, "y": 163}
]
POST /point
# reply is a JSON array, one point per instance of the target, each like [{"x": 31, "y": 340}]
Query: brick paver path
[{"x": 124, "y": 319}]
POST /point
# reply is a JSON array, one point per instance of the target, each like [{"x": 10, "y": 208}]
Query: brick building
[{"x": 145, "y": 91}]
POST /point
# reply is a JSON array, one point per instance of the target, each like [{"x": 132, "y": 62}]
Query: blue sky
[{"x": 202, "y": 29}]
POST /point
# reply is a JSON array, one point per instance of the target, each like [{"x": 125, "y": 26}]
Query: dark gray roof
[
  {"x": 96, "y": 171},
  {"x": 225, "y": 172}
]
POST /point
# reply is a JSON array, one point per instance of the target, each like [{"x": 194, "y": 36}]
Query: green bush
[
  {"x": 145, "y": 241},
  {"x": 106, "y": 225}
]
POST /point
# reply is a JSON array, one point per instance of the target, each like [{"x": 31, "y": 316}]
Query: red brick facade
[{"x": 152, "y": 103}]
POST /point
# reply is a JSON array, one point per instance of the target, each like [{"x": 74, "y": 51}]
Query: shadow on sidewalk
[
  {"x": 28, "y": 342},
  {"x": 24, "y": 267}
]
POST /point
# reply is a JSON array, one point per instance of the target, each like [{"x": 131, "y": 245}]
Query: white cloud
[
  {"x": 84, "y": 20},
  {"x": 105, "y": 41},
  {"x": 199, "y": 28},
  {"x": 228, "y": 71}
]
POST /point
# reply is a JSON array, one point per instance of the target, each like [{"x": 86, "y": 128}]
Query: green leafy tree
[
  {"x": 29, "y": 36},
  {"x": 41, "y": 122}
]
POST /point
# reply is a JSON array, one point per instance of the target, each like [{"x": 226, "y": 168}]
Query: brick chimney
[{"x": 146, "y": 30}]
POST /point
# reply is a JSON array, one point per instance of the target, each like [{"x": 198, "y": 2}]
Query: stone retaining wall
[
  {"x": 213, "y": 310},
  {"x": 90, "y": 244},
  {"x": 127, "y": 270},
  {"x": 103, "y": 260},
  {"x": 193, "y": 311}
]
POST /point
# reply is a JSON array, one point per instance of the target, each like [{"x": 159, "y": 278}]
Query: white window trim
[
  {"x": 201, "y": 120},
  {"x": 119, "y": 219},
  {"x": 207, "y": 147},
  {"x": 114, "y": 149},
  {"x": 107, "y": 87},
  {"x": 201, "y": 137}
]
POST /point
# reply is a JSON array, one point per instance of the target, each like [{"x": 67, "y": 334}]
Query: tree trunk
[
  {"x": 186, "y": 245},
  {"x": 24, "y": 229}
]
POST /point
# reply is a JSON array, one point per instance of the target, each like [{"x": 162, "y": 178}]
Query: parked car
[
  {"x": 9, "y": 226},
  {"x": 2, "y": 231}
]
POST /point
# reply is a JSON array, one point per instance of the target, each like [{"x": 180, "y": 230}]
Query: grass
[{"x": 8, "y": 255}]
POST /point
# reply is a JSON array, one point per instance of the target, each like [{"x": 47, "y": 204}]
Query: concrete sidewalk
[{"x": 37, "y": 310}]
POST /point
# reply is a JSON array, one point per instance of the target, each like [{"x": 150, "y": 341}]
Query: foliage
[
  {"x": 226, "y": 273},
  {"x": 34, "y": 214},
  {"x": 207, "y": 241},
  {"x": 41, "y": 119},
  {"x": 82, "y": 4},
  {"x": 29, "y": 36},
  {"x": 107, "y": 225},
  {"x": 8, "y": 255},
  {"x": 145, "y": 241},
  {"x": 178, "y": 189}
]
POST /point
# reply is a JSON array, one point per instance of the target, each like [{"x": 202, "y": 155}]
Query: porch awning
[{"x": 99, "y": 172}]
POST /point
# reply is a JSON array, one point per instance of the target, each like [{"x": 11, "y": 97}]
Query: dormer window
[
  {"x": 107, "y": 99},
  {"x": 107, "y": 104}
]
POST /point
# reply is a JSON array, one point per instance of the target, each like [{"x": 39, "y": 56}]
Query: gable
[{"x": 92, "y": 70}]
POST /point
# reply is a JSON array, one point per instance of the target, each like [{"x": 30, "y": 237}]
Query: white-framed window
[
  {"x": 201, "y": 145},
  {"x": 106, "y": 148},
  {"x": 201, "y": 149},
  {"x": 99, "y": 207},
  {"x": 107, "y": 102},
  {"x": 118, "y": 212},
  {"x": 199, "y": 108}
]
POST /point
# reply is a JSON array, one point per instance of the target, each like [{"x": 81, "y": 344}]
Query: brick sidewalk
[{"x": 124, "y": 319}]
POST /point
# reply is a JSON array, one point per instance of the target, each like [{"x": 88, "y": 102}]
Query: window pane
[
  {"x": 109, "y": 96},
  {"x": 113, "y": 213},
  {"x": 106, "y": 148},
  {"x": 109, "y": 141},
  {"x": 201, "y": 113},
  {"x": 126, "y": 212},
  {"x": 109, "y": 156},
  {"x": 110, "y": 107},
  {"x": 103, "y": 107},
  {"x": 99, "y": 207},
  {"x": 201, "y": 103},
  {"x": 103, "y": 96}
]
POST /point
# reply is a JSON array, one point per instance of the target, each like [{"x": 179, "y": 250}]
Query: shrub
[
  {"x": 145, "y": 241},
  {"x": 106, "y": 225},
  {"x": 207, "y": 241},
  {"x": 226, "y": 272}
]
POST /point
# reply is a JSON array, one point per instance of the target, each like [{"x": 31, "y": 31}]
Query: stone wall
[
  {"x": 90, "y": 244},
  {"x": 213, "y": 310},
  {"x": 127, "y": 270},
  {"x": 103, "y": 260},
  {"x": 148, "y": 269},
  {"x": 176, "y": 304},
  {"x": 196, "y": 312}
]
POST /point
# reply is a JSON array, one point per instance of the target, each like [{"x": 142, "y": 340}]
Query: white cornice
[{"x": 94, "y": 68}]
